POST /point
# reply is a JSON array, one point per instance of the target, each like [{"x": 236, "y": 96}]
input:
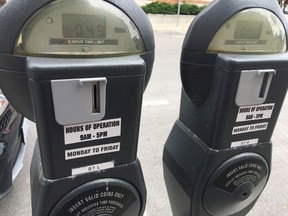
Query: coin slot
[
  {"x": 96, "y": 98},
  {"x": 264, "y": 85}
]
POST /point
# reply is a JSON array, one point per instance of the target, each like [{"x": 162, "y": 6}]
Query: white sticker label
[
  {"x": 258, "y": 112},
  {"x": 92, "y": 131},
  {"x": 93, "y": 168},
  {"x": 249, "y": 128},
  {"x": 244, "y": 143},
  {"x": 91, "y": 151}
]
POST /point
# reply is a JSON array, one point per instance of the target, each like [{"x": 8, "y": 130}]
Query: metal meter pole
[{"x": 178, "y": 13}]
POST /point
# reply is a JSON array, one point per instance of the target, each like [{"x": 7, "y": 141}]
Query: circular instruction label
[
  {"x": 251, "y": 169},
  {"x": 100, "y": 198},
  {"x": 236, "y": 184}
]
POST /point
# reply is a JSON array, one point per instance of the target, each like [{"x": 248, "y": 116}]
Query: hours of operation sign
[
  {"x": 258, "y": 112},
  {"x": 92, "y": 131}
]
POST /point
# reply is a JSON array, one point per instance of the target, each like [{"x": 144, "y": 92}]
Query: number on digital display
[{"x": 83, "y": 26}]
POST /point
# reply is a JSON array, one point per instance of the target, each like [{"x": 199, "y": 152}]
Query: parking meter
[
  {"x": 217, "y": 158},
  {"x": 78, "y": 69}
]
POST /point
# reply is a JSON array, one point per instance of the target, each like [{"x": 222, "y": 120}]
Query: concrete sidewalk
[{"x": 161, "y": 22}]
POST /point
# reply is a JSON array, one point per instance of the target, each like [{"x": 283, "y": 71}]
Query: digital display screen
[
  {"x": 248, "y": 30},
  {"x": 83, "y": 26}
]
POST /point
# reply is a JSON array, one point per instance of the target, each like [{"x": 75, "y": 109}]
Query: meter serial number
[{"x": 62, "y": 41}]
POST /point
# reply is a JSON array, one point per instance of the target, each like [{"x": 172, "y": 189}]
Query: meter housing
[
  {"x": 78, "y": 69},
  {"x": 217, "y": 158}
]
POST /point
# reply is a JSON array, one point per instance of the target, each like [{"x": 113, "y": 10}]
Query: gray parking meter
[
  {"x": 78, "y": 68},
  {"x": 234, "y": 71}
]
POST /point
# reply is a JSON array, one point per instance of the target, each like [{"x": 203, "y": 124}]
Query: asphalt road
[{"x": 160, "y": 110}]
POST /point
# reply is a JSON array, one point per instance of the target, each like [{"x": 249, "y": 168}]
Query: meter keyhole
[{"x": 245, "y": 195}]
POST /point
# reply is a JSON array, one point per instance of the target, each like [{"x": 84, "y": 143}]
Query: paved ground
[{"x": 160, "y": 110}]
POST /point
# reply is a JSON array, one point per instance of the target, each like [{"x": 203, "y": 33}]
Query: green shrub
[
  {"x": 167, "y": 8},
  {"x": 160, "y": 8}
]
